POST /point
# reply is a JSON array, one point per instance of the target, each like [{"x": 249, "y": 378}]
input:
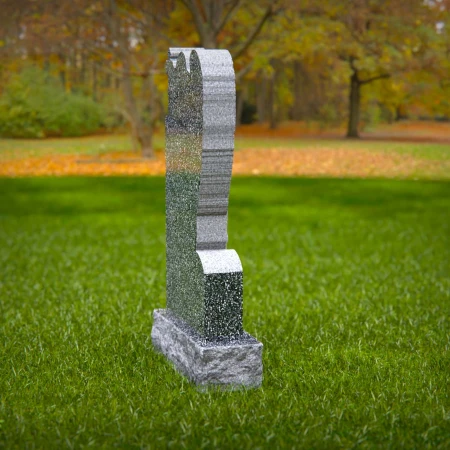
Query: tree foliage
[
  {"x": 358, "y": 61},
  {"x": 34, "y": 105}
]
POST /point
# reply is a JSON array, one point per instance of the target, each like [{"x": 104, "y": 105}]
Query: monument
[{"x": 201, "y": 330}]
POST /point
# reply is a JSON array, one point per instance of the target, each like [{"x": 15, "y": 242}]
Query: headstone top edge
[{"x": 222, "y": 57}]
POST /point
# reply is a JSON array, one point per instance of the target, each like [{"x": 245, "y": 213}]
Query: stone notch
[{"x": 204, "y": 279}]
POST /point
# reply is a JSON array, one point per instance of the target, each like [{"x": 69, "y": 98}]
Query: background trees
[
  {"x": 330, "y": 62},
  {"x": 381, "y": 40}
]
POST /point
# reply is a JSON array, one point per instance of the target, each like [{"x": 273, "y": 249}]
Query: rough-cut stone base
[{"x": 228, "y": 363}]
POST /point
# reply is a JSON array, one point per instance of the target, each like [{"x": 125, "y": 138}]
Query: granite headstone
[{"x": 201, "y": 329}]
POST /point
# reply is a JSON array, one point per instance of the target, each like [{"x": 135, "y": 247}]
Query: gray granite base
[{"x": 229, "y": 363}]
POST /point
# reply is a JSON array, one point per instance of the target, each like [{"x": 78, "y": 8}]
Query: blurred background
[
  {"x": 304, "y": 69},
  {"x": 347, "y": 281}
]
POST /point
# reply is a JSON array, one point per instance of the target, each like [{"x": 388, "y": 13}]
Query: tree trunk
[
  {"x": 94, "y": 81},
  {"x": 354, "y": 106},
  {"x": 261, "y": 99},
  {"x": 70, "y": 74},
  {"x": 271, "y": 102},
  {"x": 47, "y": 64},
  {"x": 141, "y": 133},
  {"x": 239, "y": 106},
  {"x": 62, "y": 78},
  {"x": 145, "y": 139},
  {"x": 147, "y": 149},
  {"x": 62, "y": 70},
  {"x": 400, "y": 113},
  {"x": 299, "y": 100},
  {"x": 82, "y": 76},
  {"x": 209, "y": 41}
]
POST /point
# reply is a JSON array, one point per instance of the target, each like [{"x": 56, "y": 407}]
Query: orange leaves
[
  {"x": 331, "y": 162},
  {"x": 119, "y": 163},
  {"x": 312, "y": 161}
]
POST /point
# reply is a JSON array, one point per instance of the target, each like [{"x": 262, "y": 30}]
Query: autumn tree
[
  {"x": 122, "y": 39},
  {"x": 298, "y": 59},
  {"x": 297, "y": 74},
  {"x": 365, "y": 41},
  {"x": 128, "y": 34},
  {"x": 378, "y": 40},
  {"x": 236, "y": 25},
  {"x": 214, "y": 18}
]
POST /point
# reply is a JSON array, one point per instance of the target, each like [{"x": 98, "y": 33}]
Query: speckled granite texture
[
  {"x": 204, "y": 279},
  {"x": 229, "y": 362}
]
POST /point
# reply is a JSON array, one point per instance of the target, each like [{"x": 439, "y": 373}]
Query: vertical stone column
[{"x": 201, "y": 330}]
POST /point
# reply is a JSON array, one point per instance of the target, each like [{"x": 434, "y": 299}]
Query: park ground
[
  {"x": 347, "y": 284},
  {"x": 403, "y": 150}
]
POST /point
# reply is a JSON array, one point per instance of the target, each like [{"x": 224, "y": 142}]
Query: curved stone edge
[{"x": 231, "y": 365}]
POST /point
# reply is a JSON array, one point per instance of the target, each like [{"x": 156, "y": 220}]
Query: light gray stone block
[{"x": 230, "y": 363}]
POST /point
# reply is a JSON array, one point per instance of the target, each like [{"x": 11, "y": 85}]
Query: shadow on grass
[
  {"x": 81, "y": 195},
  {"x": 145, "y": 195}
]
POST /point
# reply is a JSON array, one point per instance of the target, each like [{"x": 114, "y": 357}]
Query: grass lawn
[
  {"x": 90, "y": 145},
  {"x": 347, "y": 284},
  {"x": 95, "y": 145},
  {"x": 434, "y": 151}
]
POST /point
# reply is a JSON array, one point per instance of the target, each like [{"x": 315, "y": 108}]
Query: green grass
[
  {"x": 434, "y": 151},
  {"x": 90, "y": 145},
  {"x": 347, "y": 284},
  {"x": 19, "y": 148}
]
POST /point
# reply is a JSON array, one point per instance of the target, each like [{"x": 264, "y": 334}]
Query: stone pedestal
[{"x": 232, "y": 363}]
